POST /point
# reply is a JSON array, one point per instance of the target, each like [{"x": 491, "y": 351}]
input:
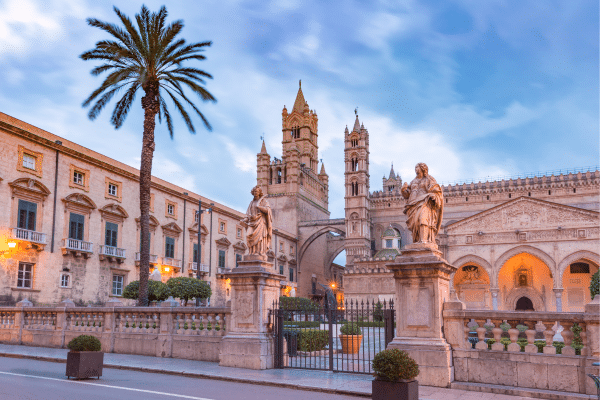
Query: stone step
[{"x": 523, "y": 392}]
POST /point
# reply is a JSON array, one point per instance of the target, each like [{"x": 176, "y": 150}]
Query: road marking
[{"x": 183, "y": 396}]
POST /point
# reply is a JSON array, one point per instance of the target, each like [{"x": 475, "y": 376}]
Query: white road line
[{"x": 108, "y": 386}]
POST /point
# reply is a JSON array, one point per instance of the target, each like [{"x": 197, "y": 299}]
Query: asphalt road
[{"x": 22, "y": 379}]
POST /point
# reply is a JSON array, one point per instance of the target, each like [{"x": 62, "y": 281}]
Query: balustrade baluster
[
  {"x": 188, "y": 324},
  {"x": 548, "y": 335},
  {"x": 497, "y": 332},
  {"x": 514, "y": 337},
  {"x": 567, "y": 335},
  {"x": 583, "y": 335}
]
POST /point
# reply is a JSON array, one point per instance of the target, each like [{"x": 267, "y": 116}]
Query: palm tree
[{"x": 147, "y": 57}]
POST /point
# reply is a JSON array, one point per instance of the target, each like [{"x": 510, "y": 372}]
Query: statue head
[
  {"x": 422, "y": 170},
  {"x": 256, "y": 192}
]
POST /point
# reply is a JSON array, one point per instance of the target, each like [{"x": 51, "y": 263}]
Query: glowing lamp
[
  {"x": 167, "y": 269},
  {"x": 12, "y": 245},
  {"x": 333, "y": 285}
]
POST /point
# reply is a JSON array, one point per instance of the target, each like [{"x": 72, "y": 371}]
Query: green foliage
[
  {"x": 157, "y": 291},
  {"x": 577, "y": 342},
  {"x": 302, "y": 324},
  {"x": 393, "y": 365},
  {"x": 313, "y": 339},
  {"x": 522, "y": 328},
  {"x": 595, "y": 285},
  {"x": 188, "y": 288},
  {"x": 505, "y": 342},
  {"x": 504, "y": 326},
  {"x": 378, "y": 312},
  {"x": 297, "y": 304},
  {"x": 350, "y": 328},
  {"x": 522, "y": 343},
  {"x": 559, "y": 346},
  {"x": 85, "y": 343}
]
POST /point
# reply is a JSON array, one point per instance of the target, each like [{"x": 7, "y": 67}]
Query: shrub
[
  {"x": 522, "y": 328},
  {"x": 303, "y": 324},
  {"x": 522, "y": 343},
  {"x": 577, "y": 342},
  {"x": 378, "y": 312},
  {"x": 313, "y": 340},
  {"x": 297, "y": 304},
  {"x": 85, "y": 343},
  {"x": 350, "y": 328},
  {"x": 157, "y": 291},
  {"x": 188, "y": 288},
  {"x": 595, "y": 285},
  {"x": 393, "y": 365}
]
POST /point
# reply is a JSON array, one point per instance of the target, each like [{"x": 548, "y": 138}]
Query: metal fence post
[{"x": 330, "y": 339}]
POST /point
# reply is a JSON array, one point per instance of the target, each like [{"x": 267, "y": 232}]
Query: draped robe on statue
[
  {"x": 260, "y": 221},
  {"x": 424, "y": 209}
]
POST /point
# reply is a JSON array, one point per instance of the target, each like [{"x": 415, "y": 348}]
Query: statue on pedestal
[
  {"x": 258, "y": 224},
  {"x": 425, "y": 206}
]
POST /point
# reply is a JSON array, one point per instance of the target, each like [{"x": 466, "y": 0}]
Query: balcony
[
  {"x": 173, "y": 262},
  {"x": 111, "y": 253},
  {"x": 153, "y": 259},
  {"x": 203, "y": 267},
  {"x": 36, "y": 239},
  {"x": 222, "y": 271},
  {"x": 77, "y": 247}
]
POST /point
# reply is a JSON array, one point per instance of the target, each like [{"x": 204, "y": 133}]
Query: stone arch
[
  {"x": 542, "y": 255},
  {"x": 480, "y": 262},
  {"x": 313, "y": 237},
  {"x": 532, "y": 294},
  {"x": 334, "y": 254},
  {"x": 571, "y": 258}
]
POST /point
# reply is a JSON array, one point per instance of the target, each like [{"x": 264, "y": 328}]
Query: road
[{"x": 22, "y": 379}]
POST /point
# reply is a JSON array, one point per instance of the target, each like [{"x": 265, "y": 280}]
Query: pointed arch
[
  {"x": 540, "y": 254},
  {"x": 314, "y": 236}
]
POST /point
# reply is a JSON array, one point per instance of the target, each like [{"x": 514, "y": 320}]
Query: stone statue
[
  {"x": 425, "y": 206},
  {"x": 258, "y": 224}
]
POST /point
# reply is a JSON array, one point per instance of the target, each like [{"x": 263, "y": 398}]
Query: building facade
[{"x": 70, "y": 225}]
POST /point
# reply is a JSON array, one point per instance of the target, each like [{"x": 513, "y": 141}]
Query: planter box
[
  {"x": 84, "y": 364},
  {"x": 384, "y": 390},
  {"x": 351, "y": 343}
]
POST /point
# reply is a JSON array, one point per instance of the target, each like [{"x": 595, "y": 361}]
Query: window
[
  {"x": 238, "y": 258},
  {"x": 222, "y": 226},
  {"x": 291, "y": 249},
  {"x": 169, "y": 247},
  {"x": 388, "y": 243},
  {"x": 78, "y": 178},
  {"x": 28, "y": 161},
  {"x": 580, "y": 268},
  {"x": 196, "y": 213},
  {"x": 117, "y": 285},
  {"x": 314, "y": 287},
  {"x": 239, "y": 232},
  {"x": 25, "y": 275},
  {"x": 195, "y": 255},
  {"x": 65, "y": 280},
  {"x": 112, "y": 189},
  {"x": 399, "y": 243},
  {"x": 280, "y": 246},
  {"x": 221, "y": 258},
  {"x": 27, "y": 214},
  {"x": 291, "y": 274},
  {"x": 296, "y": 132},
  {"x": 281, "y": 269},
  {"x": 170, "y": 209},
  {"x": 76, "y": 224},
  {"x": 110, "y": 237}
]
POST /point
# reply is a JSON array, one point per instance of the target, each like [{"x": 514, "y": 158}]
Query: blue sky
[{"x": 472, "y": 88}]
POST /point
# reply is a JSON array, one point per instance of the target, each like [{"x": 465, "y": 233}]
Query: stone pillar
[
  {"x": 558, "y": 294},
  {"x": 254, "y": 288},
  {"x": 592, "y": 329},
  {"x": 422, "y": 279},
  {"x": 494, "y": 292}
]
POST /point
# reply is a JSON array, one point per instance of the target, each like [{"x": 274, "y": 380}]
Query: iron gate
[{"x": 312, "y": 337}]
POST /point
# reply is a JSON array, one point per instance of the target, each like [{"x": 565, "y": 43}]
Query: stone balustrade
[
  {"x": 182, "y": 332},
  {"x": 515, "y": 348}
]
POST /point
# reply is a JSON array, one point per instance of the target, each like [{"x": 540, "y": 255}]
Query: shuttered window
[
  {"x": 169, "y": 247},
  {"x": 76, "y": 224},
  {"x": 110, "y": 237},
  {"x": 27, "y": 214}
]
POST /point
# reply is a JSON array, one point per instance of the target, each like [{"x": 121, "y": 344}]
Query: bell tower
[{"x": 358, "y": 226}]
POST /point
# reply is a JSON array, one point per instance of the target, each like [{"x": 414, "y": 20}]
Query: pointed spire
[
  {"x": 356, "y": 125},
  {"x": 322, "y": 169},
  {"x": 346, "y": 130},
  {"x": 392, "y": 174},
  {"x": 300, "y": 102},
  {"x": 263, "y": 149}
]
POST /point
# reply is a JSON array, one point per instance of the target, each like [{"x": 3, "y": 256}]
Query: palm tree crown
[{"x": 149, "y": 58}]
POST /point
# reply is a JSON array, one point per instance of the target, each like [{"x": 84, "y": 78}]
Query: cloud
[
  {"x": 173, "y": 172},
  {"x": 243, "y": 158}
]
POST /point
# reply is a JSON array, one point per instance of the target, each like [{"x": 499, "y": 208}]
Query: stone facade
[{"x": 78, "y": 213}]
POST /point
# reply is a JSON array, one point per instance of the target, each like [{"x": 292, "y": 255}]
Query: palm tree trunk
[{"x": 150, "y": 106}]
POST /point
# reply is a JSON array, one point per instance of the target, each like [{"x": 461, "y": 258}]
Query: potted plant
[
  {"x": 395, "y": 373},
  {"x": 85, "y": 358},
  {"x": 351, "y": 338}
]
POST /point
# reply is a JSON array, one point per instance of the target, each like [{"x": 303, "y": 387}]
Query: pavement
[{"x": 310, "y": 380}]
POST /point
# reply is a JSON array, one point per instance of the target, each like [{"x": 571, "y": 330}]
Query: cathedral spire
[
  {"x": 263, "y": 149},
  {"x": 356, "y": 124},
  {"x": 300, "y": 102},
  {"x": 322, "y": 169},
  {"x": 392, "y": 174}
]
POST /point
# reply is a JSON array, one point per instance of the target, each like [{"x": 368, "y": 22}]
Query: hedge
[
  {"x": 302, "y": 324},
  {"x": 157, "y": 291},
  {"x": 313, "y": 339}
]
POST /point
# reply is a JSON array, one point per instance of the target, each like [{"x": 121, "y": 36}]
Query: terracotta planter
[
  {"x": 403, "y": 390},
  {"x": 350, "y": 343},
  {"x": 84, "y": 364}
]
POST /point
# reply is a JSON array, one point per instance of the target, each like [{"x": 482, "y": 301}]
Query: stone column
[
  {"x": 422, "y": 279},
  {"x": 494, "y": 292},
  {"x": 592, "y": 329},
  {"x": 254, "y": 288},
  {"x": 558, "y": 294}
]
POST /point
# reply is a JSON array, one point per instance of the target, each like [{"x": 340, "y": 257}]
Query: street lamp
[{"x": 199, "y": 254}]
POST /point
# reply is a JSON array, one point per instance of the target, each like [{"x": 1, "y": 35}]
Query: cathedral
[{"x": 529, "y": 243}]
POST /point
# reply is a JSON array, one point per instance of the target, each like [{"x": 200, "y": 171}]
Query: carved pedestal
[
  {"x": 422, "y": 285},
  {"x": 254, "y": 288}
]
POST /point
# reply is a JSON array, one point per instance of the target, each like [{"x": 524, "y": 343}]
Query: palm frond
[{"x": 122, "y": 108}]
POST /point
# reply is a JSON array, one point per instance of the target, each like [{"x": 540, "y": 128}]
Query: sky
[{"x": 472, "y": 88}]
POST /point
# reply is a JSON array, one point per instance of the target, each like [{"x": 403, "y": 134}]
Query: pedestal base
[
  {"x": 434, "y": 357},
  {"x": 247, "y": 350}
]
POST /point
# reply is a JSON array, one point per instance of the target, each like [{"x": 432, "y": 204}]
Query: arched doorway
[
  {"x": 526, "y": 275},
  {"x": 524, "y": 304}
]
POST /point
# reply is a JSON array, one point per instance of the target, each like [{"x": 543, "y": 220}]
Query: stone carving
[
  {"x": 258, "y": 224},
  {"x": 425, "y": 206}
]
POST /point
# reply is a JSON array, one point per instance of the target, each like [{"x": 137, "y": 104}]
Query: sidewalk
[{"x": 323, "y": 381}]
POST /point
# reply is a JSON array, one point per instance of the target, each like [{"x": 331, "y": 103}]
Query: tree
[
  {"x": 157, "y": 291},
  {"x": 149, "y": 58},
  {"x": 188, "y": 288}
]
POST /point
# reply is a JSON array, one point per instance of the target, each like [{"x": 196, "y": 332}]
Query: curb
[{"x": 201, "y": 375}]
